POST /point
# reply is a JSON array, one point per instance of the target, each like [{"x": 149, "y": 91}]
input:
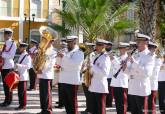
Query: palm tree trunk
[{"x": 148, "y": 17}]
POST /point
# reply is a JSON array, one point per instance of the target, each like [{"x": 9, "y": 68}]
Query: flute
[{"x": 117, "y": 73}]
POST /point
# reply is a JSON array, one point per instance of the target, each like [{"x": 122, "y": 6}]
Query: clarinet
[{"x": 117, "y": 73}]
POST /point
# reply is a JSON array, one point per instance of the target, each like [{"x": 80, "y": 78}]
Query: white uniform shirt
[
  {"x": 71, "y": 66},
  {"x": 122, "y": 79},
  {"x": 140, "y": 72},
  {"x": 162, "y": 73},
  {"x": 48, "y": 69},
  {"x": 155, "y": 74},
  {"x": 32, "y": 51},
  {"x": 9, "y": 55},
  {"x": 100, "y": 71},
  {"x": 112, "y": 68},
  {"x": 58, "y": 62},
  {"x": 23, "y": 67}
]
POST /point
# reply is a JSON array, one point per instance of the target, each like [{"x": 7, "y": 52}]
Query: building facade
[{"x": 25, "y": 18}]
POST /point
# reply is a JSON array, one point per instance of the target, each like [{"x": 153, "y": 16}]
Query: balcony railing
[{"x": 8, "y": 11}]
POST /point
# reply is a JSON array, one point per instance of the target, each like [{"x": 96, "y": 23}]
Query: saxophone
[
  {"x": 87, "y": 74},
  {"x": 47, "y": 35}
]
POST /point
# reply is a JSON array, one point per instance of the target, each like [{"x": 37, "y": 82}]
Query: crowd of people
[{"x": 133, "y": 79}]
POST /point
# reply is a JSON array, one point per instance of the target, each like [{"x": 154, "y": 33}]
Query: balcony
[{"x": 9, "y": 12}]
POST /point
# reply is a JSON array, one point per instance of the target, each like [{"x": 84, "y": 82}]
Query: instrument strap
[
  {"x": 3, "y": 50},
  {"x": 23, "y": 59},
  {"x": 97, "y": 57}
]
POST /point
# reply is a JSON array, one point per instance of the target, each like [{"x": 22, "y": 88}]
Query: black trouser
[
  {"x": 152, "y": 102},
  {"x": 45, "y": 86},
  {"x": 98, "y": 103},
  {"x": 60, "y": 99},
  {"x": 109, "y": 97},
  {"x": 120, "y": 95},
  {"x": 138, "y": 104},
  {"x": 128, "y": 103},
  {"x": 69, "y": 95},
  {"x": 8, "y": 93},
  {"x": 32, "y": 77},
  {"x": 22, "y": 93},
  {"x": 161, "y": 91},
  {"x": 88, "y": 98}
]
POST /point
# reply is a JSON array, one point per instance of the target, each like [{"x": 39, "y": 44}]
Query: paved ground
[{"x": 33, "y": 105}]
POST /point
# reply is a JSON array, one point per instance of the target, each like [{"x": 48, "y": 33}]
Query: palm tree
[
  {"x": 161, "y": 23},
  {"x": 95, "y": 18},
  {"x": 148, "y": 17}
]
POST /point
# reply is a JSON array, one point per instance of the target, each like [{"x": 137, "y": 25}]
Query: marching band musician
[
  {"x": 8, "y": 53},
  {"x": 100, "y": 67},
  {"x": 131, "y": 48},
  {"x": 22, "y": 67},
  {"x": 69, "y": 77},
  {"x": 109, "y": 97},
  {"x": 120, "y": 83},
  {"x": 46, "y": 74},
  {"x": 140, "y": 69},
  {"x": 91, "y": 53},
  {"x": 63, "y": 49},
  {"x": 154, "y": 78},
  {"x": 161, "y": 86},
  {"x": 32, "y": 75}
]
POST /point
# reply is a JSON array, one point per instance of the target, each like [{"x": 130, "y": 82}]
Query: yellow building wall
[
  {"x": 26, "y": 7},
  {"x": 34, "y": 25},
  {"x": 15, "y": 10},
  {"x": 14, "y": 25},
  {"x": 45, "y": 8}
]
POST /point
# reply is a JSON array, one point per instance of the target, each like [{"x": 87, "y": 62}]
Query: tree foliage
[{"x": 96, "y": 18}]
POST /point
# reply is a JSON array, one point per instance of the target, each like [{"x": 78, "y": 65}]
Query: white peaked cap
[
  {"x": 123, "y": 45},
  {"x": 101, "y": 41},
  {"x": 153, "y": 44},
  {"x": 8, "y": 30},
  {"x": 71, "y": 37},
  {"x": 141, "y": 36}
]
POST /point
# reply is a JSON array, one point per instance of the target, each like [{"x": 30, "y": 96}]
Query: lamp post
[{"x": 29, "y": 24}]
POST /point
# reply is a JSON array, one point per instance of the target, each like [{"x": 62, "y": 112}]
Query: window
[
  {"x": 5, "y": 7},
  {"x": 36, "y": 8}
]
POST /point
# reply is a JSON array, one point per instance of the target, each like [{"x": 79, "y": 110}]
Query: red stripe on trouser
[
  {"x": 24, "y": 92},
  {"x": 103, "y": 103},
  {"x": 145, "y": 105},
  {"x": 49, "y": 98},
  {"x": 153, "y": 98},
  {"x": 75, "y": 87},
  {"x": 125, "y": 100}
]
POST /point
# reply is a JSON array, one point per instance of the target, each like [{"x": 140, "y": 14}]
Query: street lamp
[{"x": 29, "y": 24}]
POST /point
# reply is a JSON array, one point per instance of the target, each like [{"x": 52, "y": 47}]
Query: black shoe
[
  {"x": 4, "y": 104},
  {"x": 108, "y": 106},
  {"x": 43, "y": 112},
  {"x": 84, "y": 112},
  {"x": 59, "y": 106},
  {"x": 20, "y": 108},
  {"x": 57, "y": 102}
]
